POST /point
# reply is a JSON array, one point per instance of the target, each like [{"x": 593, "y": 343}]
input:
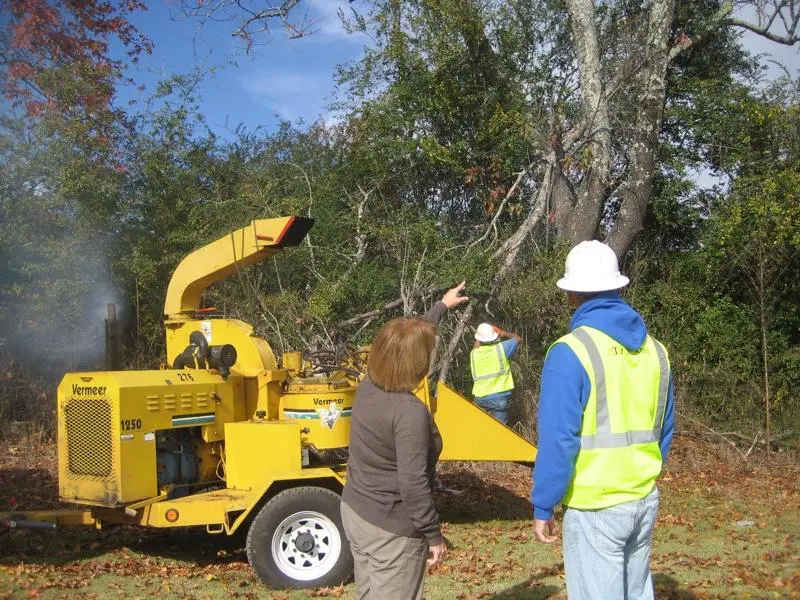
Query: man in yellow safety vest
[
  {"x": 491, "y": 371},
  {"x": 606, "y": 419}
]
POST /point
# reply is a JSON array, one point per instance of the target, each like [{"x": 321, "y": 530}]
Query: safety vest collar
[{"x": 603, "y": 436}]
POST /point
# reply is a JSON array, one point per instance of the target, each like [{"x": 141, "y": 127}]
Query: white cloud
[{"x": 290, "y": 95}]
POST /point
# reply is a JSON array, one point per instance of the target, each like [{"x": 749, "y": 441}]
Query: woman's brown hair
[{"x": 401, "y": 353}]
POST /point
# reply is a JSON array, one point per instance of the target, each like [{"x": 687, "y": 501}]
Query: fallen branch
[
  {"x": 747, "y": 439},
  {"x": 753, "y": 445},
  {"x": 715, "y": 433}
]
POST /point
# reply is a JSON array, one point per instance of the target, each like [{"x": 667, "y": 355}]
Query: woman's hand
[
  {"x": 437, "y": 553},
  {"x": 453, "y": 296}
]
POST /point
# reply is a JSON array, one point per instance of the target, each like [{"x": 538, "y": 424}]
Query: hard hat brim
[
  {"x": 484, "y": 340},
  {"x": 569, "y": 285}
]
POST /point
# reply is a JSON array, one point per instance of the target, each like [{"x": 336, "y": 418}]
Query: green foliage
[{"x": 442, "y": 113}]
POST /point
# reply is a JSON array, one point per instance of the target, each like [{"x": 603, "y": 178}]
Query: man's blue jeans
[
  {"x": 495, "y": 405},
  {"x": 607, "y": 551}
]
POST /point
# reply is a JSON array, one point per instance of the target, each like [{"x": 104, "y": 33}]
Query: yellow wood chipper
[{"x": 227, "y": 436}]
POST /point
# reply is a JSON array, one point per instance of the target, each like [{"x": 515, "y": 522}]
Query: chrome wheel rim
[{"x": 306, "y": 545}]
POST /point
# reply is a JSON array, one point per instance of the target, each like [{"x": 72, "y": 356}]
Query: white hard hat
[
  {"x": 592, "y": 267},
  {"x": 485, "y": 333}
]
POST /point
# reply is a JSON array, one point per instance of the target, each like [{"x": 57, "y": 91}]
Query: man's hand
[
  {"x": 453, "y": 296},
  {"x": 545, "y": 531},
  {"x": 437, "y": 553}
]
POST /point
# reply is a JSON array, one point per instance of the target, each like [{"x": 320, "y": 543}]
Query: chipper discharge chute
[{"x": 228, "y": 436}]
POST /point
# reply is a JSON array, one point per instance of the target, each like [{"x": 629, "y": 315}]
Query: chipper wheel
[{"x": 297, "y": 540}]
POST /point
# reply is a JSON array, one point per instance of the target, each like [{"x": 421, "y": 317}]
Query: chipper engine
[{"x": 227, "y": 436}]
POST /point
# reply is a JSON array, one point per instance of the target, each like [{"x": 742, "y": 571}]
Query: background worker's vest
[
  {"x": 490, "y": 370},
  {"x": 619, "y": 458}
]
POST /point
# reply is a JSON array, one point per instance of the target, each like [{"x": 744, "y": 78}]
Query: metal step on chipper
[{"x": 227, "y": 436}]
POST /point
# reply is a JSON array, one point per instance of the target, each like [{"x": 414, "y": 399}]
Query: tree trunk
[
  {"x": 578, "y": 211},
  {"x": 635, "y": 194},
  {"x": 762, "y": 308}
]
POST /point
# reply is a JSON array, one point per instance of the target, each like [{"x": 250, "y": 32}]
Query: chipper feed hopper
[{"x": 227, "y": 436}]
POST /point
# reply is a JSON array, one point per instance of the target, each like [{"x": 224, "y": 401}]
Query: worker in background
[
  {"x": 606, "y": 420},
  {"x": 491, "y": 371}
]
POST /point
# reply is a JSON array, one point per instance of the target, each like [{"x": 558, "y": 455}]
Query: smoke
[
  {"x": 54, "y": 307},
  {"x": 90, "y": 341}
]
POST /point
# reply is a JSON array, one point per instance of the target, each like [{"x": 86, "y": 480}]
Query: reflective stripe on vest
[
  {"x": 603, "y": 438},
  {"x": 619, "y": 457},
  {"x": 491, "y": 371}
]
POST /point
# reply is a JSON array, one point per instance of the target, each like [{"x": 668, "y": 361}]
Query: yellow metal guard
[{"x": 469, "y": 433}]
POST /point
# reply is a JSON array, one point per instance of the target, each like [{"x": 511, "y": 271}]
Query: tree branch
[
  {"x": 511, "y": 246},
  {"x": 790, "y": 39},
  {"x": 313, "y": 266},
  {"x": 712, "y": 431},
  {"x": 251, "y": 21},
  {"x": 361, "y": 242}
]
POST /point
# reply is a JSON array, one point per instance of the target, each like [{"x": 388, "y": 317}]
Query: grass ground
[{"x": 725, "y": 530}]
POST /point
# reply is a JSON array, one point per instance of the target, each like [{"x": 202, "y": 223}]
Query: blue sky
[{"x": 281, "y": 78}]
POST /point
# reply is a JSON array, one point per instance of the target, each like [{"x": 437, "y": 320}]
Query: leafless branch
[
  {"x": 253, "y": 20},
  {"x": 509, "y": 252},
  {"x": 408, "y": 292},
  {"x": 790, "y": 39},
  {"x": 361, "y": 241},
  {"x": 277, "y": 274},
  {"x": 366, "y": 324},
  {"x": 313, "y": 262},
  {"x": 371, "y": 314},
  {"x": 715, "y": 433},
  {"x": 385, "y": 308},
  {"x": 511, "y": 246},
  {"x": 753, "y": 445}
]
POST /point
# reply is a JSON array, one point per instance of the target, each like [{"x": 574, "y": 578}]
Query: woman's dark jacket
[{"x": 394, "y": 446}]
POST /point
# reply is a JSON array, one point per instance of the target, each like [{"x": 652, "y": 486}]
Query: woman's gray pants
[{"x": 387, "y": 566}]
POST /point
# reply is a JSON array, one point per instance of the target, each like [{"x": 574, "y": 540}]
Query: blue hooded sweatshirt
[{"x": 565, "y": 392}]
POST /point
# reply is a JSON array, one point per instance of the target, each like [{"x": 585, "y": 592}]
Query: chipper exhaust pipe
[{"x": 8, "y": 524}]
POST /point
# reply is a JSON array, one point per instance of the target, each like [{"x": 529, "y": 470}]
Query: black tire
[{"x": 280, "y": 538}]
